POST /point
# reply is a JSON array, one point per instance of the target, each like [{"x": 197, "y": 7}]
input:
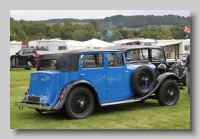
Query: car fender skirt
[
  {"x": 67, "y": 90},
  {"x": 167, "y": 75},
  {"x": 163, "y": 77}
]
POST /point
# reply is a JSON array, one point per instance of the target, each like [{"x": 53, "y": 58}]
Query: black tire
[
  {"x": 79, "y": 103},
  {"x": 143, "y": 79},
  {"x": 168, "y": 93},
  {"x": 39, "y": 111},
  {"x": 27, "y": 66},
  {"x": 177, "y": 69}
]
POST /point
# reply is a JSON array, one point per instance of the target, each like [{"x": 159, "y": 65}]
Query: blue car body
[{"x": 50, "y": 86}]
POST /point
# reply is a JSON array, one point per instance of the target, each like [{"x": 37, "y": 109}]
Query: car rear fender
[
  {"x": 163, "y": 77},
  {"x": 66, "y": 90}
]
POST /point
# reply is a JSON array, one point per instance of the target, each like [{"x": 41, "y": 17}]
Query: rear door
[{"x": 93, "y": 70}]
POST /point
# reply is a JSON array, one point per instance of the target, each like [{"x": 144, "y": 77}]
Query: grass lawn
[{"x": 149, "y": 115}]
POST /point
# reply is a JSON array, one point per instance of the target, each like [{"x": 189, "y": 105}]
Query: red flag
[{"x": 186, "y": 29}]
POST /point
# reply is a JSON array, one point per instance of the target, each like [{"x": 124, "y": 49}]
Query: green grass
[{"x": 149, "y": 115}]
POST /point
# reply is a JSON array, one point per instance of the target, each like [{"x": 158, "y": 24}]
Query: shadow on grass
[{"x": 101, "y": 110}]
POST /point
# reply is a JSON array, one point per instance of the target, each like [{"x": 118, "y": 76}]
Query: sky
[{"x": 35, "y": 15}]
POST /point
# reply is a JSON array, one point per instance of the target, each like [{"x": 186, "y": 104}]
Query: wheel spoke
[
  {"x": 144, "y": 80},
  {"x": 169, "y": 95},
  {"x": 79, "y": 103}
]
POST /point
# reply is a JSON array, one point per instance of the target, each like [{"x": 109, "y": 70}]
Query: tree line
[{"x": 107, "y": 29}]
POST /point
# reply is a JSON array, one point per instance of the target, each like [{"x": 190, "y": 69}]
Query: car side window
[
  {"x": 145, "y": 54},
  {"x": 136, "y": 54},
  {"x": 92, "y": 60},
  {"x": 28, "y": 51},
  {"x": 21, "y": 52},
  {"x": 157, "y": 54},
  {"x": 115, "y": 60}
]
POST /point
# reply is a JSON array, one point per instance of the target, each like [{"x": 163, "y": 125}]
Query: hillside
[{"x": 121, "y": 21}]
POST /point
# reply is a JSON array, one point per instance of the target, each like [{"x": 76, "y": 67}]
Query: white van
[
  {"x": 184, "y": 49},
  {"x": 52, "y": 45},
  {"x": 15, "y": 46}
]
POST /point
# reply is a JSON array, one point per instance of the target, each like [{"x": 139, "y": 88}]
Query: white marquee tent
[{"x": 96, "y": 44}]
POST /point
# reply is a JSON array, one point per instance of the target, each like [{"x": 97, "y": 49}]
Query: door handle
[{"x": 82, "y": 75}]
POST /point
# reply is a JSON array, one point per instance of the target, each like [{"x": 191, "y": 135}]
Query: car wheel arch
[{"x": 70, "y": 86}]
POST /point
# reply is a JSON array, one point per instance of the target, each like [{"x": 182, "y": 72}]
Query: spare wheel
[{"x": 143, "y": 79}]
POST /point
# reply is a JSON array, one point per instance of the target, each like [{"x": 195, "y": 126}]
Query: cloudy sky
[{"x": 88, "y": 14}]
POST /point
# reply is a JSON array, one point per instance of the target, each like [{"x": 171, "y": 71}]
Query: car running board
[{"x": 121, "y": 102}]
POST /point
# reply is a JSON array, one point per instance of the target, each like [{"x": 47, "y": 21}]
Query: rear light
[
  {"x": 36, "y": 55},
  {"x": 62, "y": 95},
  {"x": 36, "y": 63}
]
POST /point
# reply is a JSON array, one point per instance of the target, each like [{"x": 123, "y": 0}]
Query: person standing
[{"x": 187, "y": 66}]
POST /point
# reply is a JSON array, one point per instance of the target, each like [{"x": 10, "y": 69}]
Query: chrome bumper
[{"x": 35, "y": 106}]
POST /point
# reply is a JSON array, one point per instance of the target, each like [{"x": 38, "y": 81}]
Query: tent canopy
[{"x": 95, "y": 43}]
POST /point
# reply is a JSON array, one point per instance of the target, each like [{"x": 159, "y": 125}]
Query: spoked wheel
[
  {"x": 177, "y": 70},
  {"x": 80, "y": 103},
  {"x": 168, "y": 93}
]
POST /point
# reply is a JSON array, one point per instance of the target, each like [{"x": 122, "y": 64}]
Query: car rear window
[{"x": 48, "y": 64}]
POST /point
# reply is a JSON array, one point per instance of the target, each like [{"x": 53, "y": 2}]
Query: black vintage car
[
  {"x": 26, "y": 58},
  {"x": 154, "y": 55}
]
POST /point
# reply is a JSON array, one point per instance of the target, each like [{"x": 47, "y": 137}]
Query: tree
[
  {"x": 151, "y": 33},
  {"x": 130, "y": 34},
  {"x": 41, "y": 28},
  {"x": 95, "y": 24},
  {"x": 21, "y": 36},
  {"x": 66, "y": 32},
  {"x": 98, "y": 35},
  {"x": 52, "y": 33},
  {"x": 178, "y": 31},
  {"x": 79, "y": 35},
  {"x": 112, "y": 34},
  {"x": 165, "y": 34}
]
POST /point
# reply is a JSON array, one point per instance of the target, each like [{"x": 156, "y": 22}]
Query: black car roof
[{"x": 127, "y": 47}]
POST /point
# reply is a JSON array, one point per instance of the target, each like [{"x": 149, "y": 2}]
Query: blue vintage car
[{"x": 77, "y": 81}]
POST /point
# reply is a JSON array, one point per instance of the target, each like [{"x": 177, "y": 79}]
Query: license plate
[{"x": 33, "y": 99}]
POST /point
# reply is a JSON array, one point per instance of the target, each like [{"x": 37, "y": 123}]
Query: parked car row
[{"x": 154, "y": 55}]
